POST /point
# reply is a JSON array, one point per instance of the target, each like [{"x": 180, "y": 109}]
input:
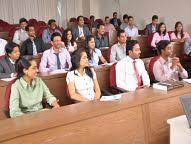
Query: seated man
[
  {"x": 46, "y": 35},
  {"x": 152, "y": 27},
  {"x": 131, "y": 30},
  {"x": 33, "y": 45},
  {"x": 21, "y": 35},
  {"x": 2, "y": 46},
  {"x": 108, "y": 26},
  {"x": 56, "y": 57},
  {"x": 7, "y": 64},
  {"x": 118, "y": 51},
  {"x": 166, "y": 68},
  {"x": 100, "y": 39},
  {"x": 80, "y": 32},
  {"x": 125, "y": 22},
  {"x": 93, "y": 23},
  {"x": 115, "y": 21},
  {"x": 130, "y": 71}
]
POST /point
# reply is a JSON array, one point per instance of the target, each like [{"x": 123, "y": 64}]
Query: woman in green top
[{"x": 28, "y": 90}]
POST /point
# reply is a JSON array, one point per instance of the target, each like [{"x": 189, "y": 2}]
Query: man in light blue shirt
[{"x": 46, "y": 35}]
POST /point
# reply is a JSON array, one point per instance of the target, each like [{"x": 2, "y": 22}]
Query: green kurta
[{"x": 26, "y": 99}]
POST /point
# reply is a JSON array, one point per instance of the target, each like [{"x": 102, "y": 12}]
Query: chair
[
  {"x": 40, "y": 31},
  {"x": 151, "y": 65},
  {"x": 112, "y": 81},
  {"x": 73, "y": 19},
  {"x": 7, "y": 97},
  {"x": 108, "y": 54},
  {"x": 99, "y": 21}
]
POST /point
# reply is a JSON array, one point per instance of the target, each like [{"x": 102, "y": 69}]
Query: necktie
[
  {"x": 34, "y": 48},
  {"x": 137, "y": 74},
  {"x": 58, "y": 61}
]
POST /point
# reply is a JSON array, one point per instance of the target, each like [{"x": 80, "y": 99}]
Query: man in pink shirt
[
  {"x": 167, "y": 68},
  {"x": 108, "y": 25}
]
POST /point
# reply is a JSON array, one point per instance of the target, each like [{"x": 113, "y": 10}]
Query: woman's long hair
[
  {"x": 88, "y": 39},
  {"x": 75, "y": 59},
  {"x": 176, "y": 32},
  {"x": 64, "y": 37},
  {"x": 158, "y": 30}
]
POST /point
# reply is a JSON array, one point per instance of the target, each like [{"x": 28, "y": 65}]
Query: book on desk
[{"x": 168, "y": 85}]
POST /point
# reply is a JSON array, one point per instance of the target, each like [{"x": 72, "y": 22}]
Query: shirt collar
[
  {"x": 131, "y": 60},
  {"x": 119, "y": 45},
  {"x": 25, "y": 84},
  {"x": 52, "y": 50},
  {"x": 13, "y": 62},
  {"x": 163, "y": 61},
  {"x": 77, "y": 73}
]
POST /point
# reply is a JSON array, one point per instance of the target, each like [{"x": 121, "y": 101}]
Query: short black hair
[
  {"x": 9, "y": 47},
  {"x": 99, "y": 25},
  {"x": 51, "y": 21},
  {"x": 54, "y": 35},
  {"x": 129, "y": 45},
  {"x": 125, "y": 16},
  {"x": 162, "y": 45},
  {"x": 78, "y": 18},
  {"x": 130, "y": 17},
  {"x": 27, "y": 27},
  {"x": 92, "y": 16},
  {"x": 154, "y": 17},
  {"x": 106, "y": 17},
  {"x": 114, "y": 13},
  {"x": 119, "y": 32},
  {"x": 22, "y": 20}
]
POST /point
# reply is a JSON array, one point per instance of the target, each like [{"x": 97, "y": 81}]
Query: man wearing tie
[
  {"x": 7, "y": 63},
  {"x": 130, "y": 71},
  {"x": 56, "y": 57},
  {"x": 33, "y": 45}
]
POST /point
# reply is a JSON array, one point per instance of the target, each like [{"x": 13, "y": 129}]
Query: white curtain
[{"x": 12, "y": 10}]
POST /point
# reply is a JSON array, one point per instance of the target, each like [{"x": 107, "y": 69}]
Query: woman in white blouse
[
  {"x": 69, "y": 41},
  {"x": 81, "y": 80}
]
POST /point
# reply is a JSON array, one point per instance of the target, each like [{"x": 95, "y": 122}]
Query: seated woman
[
  {"x": 28, "y": 90},
  {"x": 7, "y": 63},
  {"x": 94, "y": 54},
  {"x": 167, "y": 68},
  {"x": 179, "y": 35},
  {"x": 68, "y": 40},
  {"x": 161, "y": 34},
  {"x": 81, "y": 80}
]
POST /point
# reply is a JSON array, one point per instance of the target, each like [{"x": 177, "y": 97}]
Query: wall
[{"x": 168, "y": 11}]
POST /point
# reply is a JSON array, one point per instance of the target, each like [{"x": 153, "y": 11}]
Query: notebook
[{"x": 186, "y": 104}]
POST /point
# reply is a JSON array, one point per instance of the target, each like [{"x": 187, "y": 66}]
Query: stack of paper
[{"x": 111, "y": 98}]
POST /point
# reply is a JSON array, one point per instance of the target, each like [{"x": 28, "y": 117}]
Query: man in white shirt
[
  {"x": 21, "y": 35},
  {"x": 130, "y": 71},
  {"x": 131, "y": 30},
  {"x": 118, "y": 51},
  {"x": 2, "y": 46}
]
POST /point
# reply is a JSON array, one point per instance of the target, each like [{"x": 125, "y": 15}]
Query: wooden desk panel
[
  {"x": 125, "y": 126},
  {"x": 139, "y": 117}
]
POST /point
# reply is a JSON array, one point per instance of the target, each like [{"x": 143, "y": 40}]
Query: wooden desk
[
  {"x": 57, "y": 85},
  {"x": 138, "y": 118}
]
